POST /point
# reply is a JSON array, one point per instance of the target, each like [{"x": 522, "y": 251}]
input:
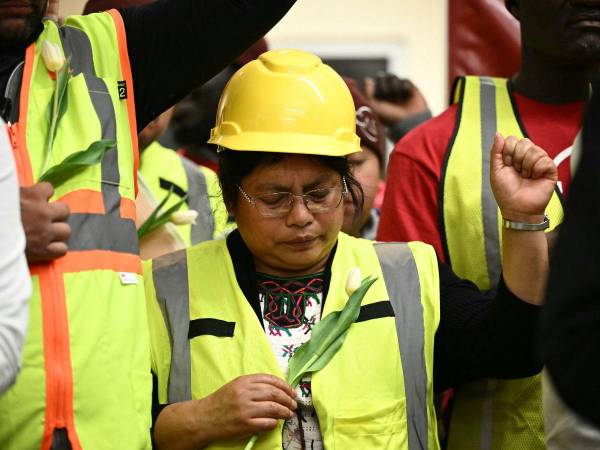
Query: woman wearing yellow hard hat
[{"x": 227, "y": 316}]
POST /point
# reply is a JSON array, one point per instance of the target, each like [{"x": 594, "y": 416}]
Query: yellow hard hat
[{"x": 287, "y": 101}]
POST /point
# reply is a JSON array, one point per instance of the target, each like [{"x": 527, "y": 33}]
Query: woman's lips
[{"x": 302, "y": 242}]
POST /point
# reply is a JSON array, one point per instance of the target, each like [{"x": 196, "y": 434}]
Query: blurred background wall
[{"x": 410, "y": 37}]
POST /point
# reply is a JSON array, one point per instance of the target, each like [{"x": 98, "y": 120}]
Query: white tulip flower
[
  {"x": 184, "y": 217},
  {"x": 354, "y": 280},
  {"x": 53, "y": 56}
]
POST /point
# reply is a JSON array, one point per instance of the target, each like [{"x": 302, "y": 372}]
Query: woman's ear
[{"x": 230, "y": 208}]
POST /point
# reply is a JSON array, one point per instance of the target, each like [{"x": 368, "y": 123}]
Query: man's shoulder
[{"x": 430, "y": 140}]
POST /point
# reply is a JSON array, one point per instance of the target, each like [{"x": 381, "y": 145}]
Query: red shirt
[{"x": 410, "y": 208}]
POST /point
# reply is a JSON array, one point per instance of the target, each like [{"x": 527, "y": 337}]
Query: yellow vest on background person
[
  {"x": 85, "y": 377},
  {"x": 489, "y": 414},
  {"x": 163, "y": 170},
  {"x": 375, "y": 394}
]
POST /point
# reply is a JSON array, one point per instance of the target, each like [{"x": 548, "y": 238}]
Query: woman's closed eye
[
  {"x": 319, "y": 195},
  {"x": 274, "y": 199}
]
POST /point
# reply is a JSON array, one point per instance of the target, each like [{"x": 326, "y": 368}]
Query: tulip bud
[
  {"x": 53, "y": 56},
  {"x": 184, "y": 217},
  {"x": 353, "y": 281}
]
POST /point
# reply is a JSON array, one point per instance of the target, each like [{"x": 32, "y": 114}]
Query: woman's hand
[
  {"x": 523, "y": 178},
  {"x": 246, "y": 406}
]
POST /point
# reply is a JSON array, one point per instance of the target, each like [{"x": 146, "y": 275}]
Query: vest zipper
[{"x": 60, "y": 332}]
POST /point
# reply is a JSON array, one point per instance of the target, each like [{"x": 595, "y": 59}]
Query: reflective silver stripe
[
  {"x": 404, "y": 289},
  {"x": 491, "y": 235},
  {"x": 198, "y": 200},
  {"x": 102, "y": 232},
  {"x": 489, "y": 207},
  {"x": 77, "y": 45},
  {"x": 170, "y": 275}
]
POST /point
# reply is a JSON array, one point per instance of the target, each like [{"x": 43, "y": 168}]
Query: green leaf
[
  {"x": 157, "y": 218},
  {"x": 327, "y": 337},
  {"x": 75, "y": 163},
  {"x": 62, "y": 81},
  {"x": 144, "y": 229}
]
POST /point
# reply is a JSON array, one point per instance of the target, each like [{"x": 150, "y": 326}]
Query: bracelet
[{"x": 523, "y": 226}]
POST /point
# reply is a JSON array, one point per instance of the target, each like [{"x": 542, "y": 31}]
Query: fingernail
[{"x": 294, "y": 405}]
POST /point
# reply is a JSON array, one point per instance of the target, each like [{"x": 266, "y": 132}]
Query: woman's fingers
[
  {"x": 273, "y": 381},
  {"x": 532, "y": 155},
  {"x": 270, "y": 410},
  {"x": 508, "y": 148},
  {"x": 526, "y": 158},
  {"x": 262, "y": 393},
  {"x": 521, "y": 148},
  {"x": 544, "y": 168},
  {"x": 262, "y": 425}
]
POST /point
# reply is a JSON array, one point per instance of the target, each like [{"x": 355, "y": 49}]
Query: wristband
[{"x": 524, "y": 226}]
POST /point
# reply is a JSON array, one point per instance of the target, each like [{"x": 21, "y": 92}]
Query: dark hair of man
[{"x": 237, "y": 165}]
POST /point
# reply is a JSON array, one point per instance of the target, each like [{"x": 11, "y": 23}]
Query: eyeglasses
[{"x": 279, "y": 204}]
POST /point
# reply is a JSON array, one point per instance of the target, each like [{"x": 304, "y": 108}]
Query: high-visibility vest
[
  {"x": 376, "y": 393},
  {"x": 86, "y": 364},
  {"x": 164, "y": 171},
  {"x": 489, "y": 414}
]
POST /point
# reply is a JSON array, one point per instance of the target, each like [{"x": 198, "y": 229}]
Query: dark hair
[{"x": 234, "y": 166}]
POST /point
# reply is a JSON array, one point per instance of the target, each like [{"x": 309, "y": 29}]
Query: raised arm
[
  {"x": 523, "y": 179},
  {"x": 480, "y": 336},
  {"x": 176, "y": 45}
]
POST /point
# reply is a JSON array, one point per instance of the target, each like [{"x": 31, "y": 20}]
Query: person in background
[
  {"x": 437, "y": 189},
  {"x": 399, "y": 104},
  {"x": 570, "y": 327},
  {"x": 85, "y": 380},
  {"x": 163, "y": 173},
  {"x": 367, "y": 168},
  {"x": 194, "y": 116},
  {"x": 226, "y": 316},
  {"x": 15, "y": 284}
]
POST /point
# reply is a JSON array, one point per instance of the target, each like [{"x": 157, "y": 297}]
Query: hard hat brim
[{"x": 289, "y": 143}]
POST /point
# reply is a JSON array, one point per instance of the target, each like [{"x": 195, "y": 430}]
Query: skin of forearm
[
  {"x": 525, "y": 265},
  {"x": 179, "y": 427}
]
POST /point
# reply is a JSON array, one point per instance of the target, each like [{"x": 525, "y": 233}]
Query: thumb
[{"x": 496, "y": 159}]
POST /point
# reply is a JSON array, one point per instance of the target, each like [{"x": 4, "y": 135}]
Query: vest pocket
[{"x": 370, "y": 425}]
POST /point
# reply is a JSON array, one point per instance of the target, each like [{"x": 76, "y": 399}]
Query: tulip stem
[
  {"x": 251, "y": 442},
  {"x": 52, "y": 130}
]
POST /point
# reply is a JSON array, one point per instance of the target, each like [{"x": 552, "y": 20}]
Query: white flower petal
[
  {"x": 53, "y": 56},
  {"x": 184, "y": 217},
  {"x": 353, "y": 281}
]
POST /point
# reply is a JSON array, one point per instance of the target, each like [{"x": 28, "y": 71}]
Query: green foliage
[
  {"x": 327, "y": 337},
  {"x": 158, "y": 218},
  {"x": 77, "y": 162}
]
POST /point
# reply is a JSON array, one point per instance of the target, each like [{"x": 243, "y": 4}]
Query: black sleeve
[
  {"x": 482, "y": 335},
  {"x": 177, "y": 45},
  {"x": 570, "y": 326}
]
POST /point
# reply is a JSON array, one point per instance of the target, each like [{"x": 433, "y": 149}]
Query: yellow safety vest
[
  {"x": 163, "y": 170},
  {"x": 375, "y": 394},
  {"x": 489, "y": 414},
  {"x": 86, "y": 362}
]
